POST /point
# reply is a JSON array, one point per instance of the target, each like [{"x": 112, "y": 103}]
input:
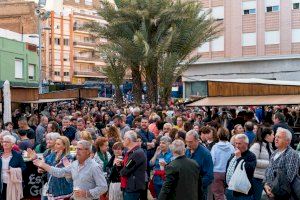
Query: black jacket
[
  {"x": 135, "y": 170},
  {"x": 113, "y": 171},
  {"x": 15, "y": 162},
  {"x": 250, "y": 164},
  {"x": 183, "y": 180}
]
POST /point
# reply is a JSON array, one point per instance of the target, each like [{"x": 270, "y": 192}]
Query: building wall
[
  {"x": 236, "y": 23},
  {"x": 18, "y": 16},
  {"x": 266, "y": 57},
  {"x": 11, "y": 50}
]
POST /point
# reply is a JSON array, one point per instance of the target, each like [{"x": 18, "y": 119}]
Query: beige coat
[
  {"x": 262, "y": 158},
  {"x": 14, "y": 185}
]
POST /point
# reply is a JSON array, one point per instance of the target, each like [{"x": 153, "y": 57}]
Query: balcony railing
[
  {"x": 92, "y": 73},
  {"x": 87, "y": 15},
  {"x": 78, "y": 28},
  {"x": 88, "y": 44},
  {"x": 86, "y": 58}
]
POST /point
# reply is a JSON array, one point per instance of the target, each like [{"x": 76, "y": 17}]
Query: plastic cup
[{"x": 161, "y": 160}]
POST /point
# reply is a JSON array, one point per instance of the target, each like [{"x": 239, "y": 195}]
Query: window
[
  {"x": 204, "y": 11},
  {"x": 272, "y": 37},
  {"x": 57, "y": 56},
  {"x": 272, "y": 5},
  {"x": 50, "y": 41},
  {"x": 66, "y": 42},
  {"x": 56, "y": 73},
  {"x": 249, "y": 7},
  {"x": 272, "y": 8},
  {"x": 31, "y": 72},
  {"x": 250, "y": 11},
  {"x": 18, "y": 68},
  {"x": 88, "y": 39},
  {"x": 218, "y": 44},
  {"x": 218, "y": 13},
  {"x": 203, "y": 48},
  {"x": 248, "y": 39},
  {"x": 296, "y": 4},
  {"x": 77, "y": 1},
  {"x": 66, "y": 57},
  {"x": 88, "y": 2},
  {"x": 57, "y": 41},
  {"x": 295, "y": 35},
  {"x": 66, "y": 73}
]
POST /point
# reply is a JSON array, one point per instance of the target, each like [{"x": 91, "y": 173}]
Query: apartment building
[
  {"x": 260, "y": 39},
  {"x": 69, "y": 55}
]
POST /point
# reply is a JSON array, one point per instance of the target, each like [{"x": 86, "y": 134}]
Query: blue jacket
[
  {"x": 58, "y": 186},
  {"x": 251, "y": 136},
  {"x": 70, "y": 133},
  {"x": 129, "y": 119},
  {"x": 203, "y": 158},
  {"x": 157, "y": 180},
  {"x": 15, "y": 162},
  {"x": 147, "y": 136}
]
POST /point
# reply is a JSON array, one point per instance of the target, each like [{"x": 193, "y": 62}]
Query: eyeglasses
[
  {"x": 80, "y": 149},
  {"x": 6, "y": 142}
]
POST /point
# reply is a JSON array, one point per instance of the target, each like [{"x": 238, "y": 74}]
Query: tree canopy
[{"x": 155, "y": 39}]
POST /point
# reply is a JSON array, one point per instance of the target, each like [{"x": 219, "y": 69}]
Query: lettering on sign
[{"x": 34, "y": 184}]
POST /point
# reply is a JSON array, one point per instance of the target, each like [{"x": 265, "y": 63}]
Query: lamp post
[{"x": 42, "y": 15}]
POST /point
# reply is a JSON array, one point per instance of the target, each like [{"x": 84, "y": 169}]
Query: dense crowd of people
[{"x": 93, "y": 151}]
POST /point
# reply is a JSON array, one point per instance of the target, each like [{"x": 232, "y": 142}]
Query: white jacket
[{"x": 262, "y": 159}]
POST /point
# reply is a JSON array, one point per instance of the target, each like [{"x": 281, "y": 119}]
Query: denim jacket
[
  {"x": 157, "y": 180},
  {"x": 58, "y": 186}
]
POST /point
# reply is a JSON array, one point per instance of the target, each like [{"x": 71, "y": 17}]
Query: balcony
[
  {"x": 88, "y": 45},
  {"x": 79, "y": 29},
  {"x": 89, "y": 59},
  {"x": 89, "y": 74},
  {"x": 86, "y": 16}
]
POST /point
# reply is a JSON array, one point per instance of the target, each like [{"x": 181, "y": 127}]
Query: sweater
[
  {"x": 251, "y": 136},
  {"x": 14, "y": 187},
  {"x": 262, "y": 159},
  {"x": 220, "y": 154}
]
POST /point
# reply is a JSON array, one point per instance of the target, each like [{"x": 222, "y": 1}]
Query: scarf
[{"x": 104, "y": 159}]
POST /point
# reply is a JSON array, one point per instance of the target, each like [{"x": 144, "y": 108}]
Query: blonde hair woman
[
  {"x": 59, "y": 188},
  {"x": 85, "y": 135},
  {"x": 238, "y": 129}
]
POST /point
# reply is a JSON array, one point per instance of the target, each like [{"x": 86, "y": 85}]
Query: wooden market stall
[{"x": 239, "y": 92}]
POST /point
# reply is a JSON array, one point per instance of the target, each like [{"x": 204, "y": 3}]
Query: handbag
[
  {"x": 296, "y": 187},
  {"x": 239, "y": 181}
]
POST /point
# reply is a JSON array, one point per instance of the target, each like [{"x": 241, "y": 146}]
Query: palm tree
[
  {"x": 156, "y": 38},
  {"x": 115, "y": 69}
]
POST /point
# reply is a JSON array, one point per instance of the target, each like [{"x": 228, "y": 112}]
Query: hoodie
[{"x": 220, "y": 154}]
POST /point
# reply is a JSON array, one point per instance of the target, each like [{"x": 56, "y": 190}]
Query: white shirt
[
  {"x": 277, "y": 155},
  {"x": 5, "y": 168}
]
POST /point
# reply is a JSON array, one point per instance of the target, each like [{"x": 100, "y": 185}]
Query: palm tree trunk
[
  {"x": 137, "y": 84},
  {"x": 119, "y": 96},
  {"x": 152, "y": 84},
  {"x": 166, "y": 94}
]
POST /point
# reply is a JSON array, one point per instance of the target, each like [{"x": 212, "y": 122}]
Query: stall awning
[
  {"x": 99, "y": 99},
  {"x": 47, "y": 100},
  {"x": 248, "y": 101}
]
